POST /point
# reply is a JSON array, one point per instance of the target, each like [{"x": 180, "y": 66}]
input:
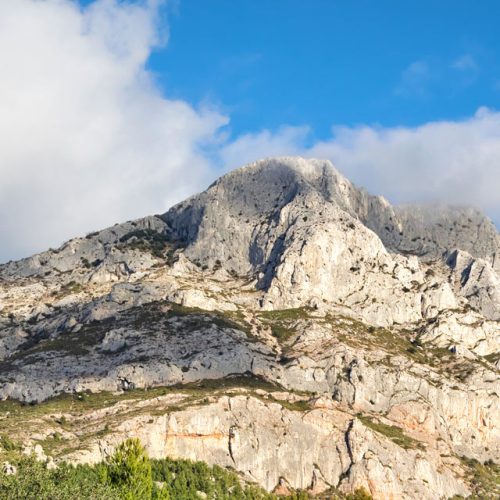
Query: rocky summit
[{"x": 283, "y": 323}]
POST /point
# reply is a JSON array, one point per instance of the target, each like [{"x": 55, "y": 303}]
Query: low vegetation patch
[
  {"x": 250, "y": 382},
  {"x": 283, "y": 322},
  {"x": 14, "y": 413},
  {"x": 86, "y": 401},
  {"x": 493, "y": 358},
  {"x": 224, "y": 319},
  {"x": 484, "y": 478},
  {"x": 145, "y": 240},
  {"x": 7, "y": 444},
  {"x": 69, "y": 288},
  {"x": 358, "y": 334},
  {"x": 67, "y": 343},
  {"x": 394, "y": 433},
  {"x": 404, "y": 343},
  {"x": 148, "y": 240}
]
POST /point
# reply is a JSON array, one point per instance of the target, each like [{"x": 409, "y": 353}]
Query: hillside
[{"x": 283, "y": 323}]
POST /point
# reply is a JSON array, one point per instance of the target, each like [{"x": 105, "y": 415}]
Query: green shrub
[
  {"x": 129, "y": 469},
  {"x": 183, "y": 479},
  {"x": 34, "y": 481},
  {"x": 145, "y": 240},
  {"x": 7, "y": 444},
  {"x": 359, "y": 494}
]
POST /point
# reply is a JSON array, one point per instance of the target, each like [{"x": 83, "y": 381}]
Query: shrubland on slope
[{"x": 284, "y": 323}]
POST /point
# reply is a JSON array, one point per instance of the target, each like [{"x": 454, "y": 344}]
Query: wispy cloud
[
  {"x": 465, "y": 63},
  {"x": 414, "y": 79},
  {"x": 434, "y": 76},
  {"x": 468, "y": 70}
]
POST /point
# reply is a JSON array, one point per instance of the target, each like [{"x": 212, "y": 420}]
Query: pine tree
[{"x": 130, "y": 470}]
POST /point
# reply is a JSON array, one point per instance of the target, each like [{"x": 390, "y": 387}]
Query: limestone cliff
[{"x": 382, "y": 322}]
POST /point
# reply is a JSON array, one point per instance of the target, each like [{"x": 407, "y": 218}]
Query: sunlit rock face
[
  {"x": 310, "y": 236},
  {"x": 375, "y": 329}
]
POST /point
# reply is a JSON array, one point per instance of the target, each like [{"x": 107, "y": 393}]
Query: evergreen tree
[{"x": 130, "y": 470}]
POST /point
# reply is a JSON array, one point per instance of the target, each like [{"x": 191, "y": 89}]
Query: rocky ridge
[{"x": 377, "y": 317}]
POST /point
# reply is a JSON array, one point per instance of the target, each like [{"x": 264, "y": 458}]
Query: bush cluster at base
[{"x": 130, "y": 475}]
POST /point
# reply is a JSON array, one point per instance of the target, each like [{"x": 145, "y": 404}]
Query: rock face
[
  {"x": 282, "y": 271},
  {"x": 270, "y": 443},
  {"x": 310, "y": 236},
  {"x": 232, "y": 208}
]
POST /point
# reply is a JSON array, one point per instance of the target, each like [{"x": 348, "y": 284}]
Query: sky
[{"x": 111, "y": 110}]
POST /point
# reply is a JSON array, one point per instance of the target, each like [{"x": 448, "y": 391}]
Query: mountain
[{"x": 283, "y": 323}]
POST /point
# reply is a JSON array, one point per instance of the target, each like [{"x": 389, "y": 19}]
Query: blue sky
[
  {"x": 325, "y": 62},
  {"x": 113, "y": 109}
]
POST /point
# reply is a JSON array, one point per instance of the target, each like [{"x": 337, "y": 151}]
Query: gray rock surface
[
  {"x": 267, "y": 442},
  {"x": 284, "y": 271},
  {"x": 308, "y": 235}
]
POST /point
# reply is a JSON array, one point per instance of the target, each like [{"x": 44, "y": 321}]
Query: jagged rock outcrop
[
  {"x": 477, "y": 281},
  {"x": 432, "y": 231},
  {"x": 284, "y": 271}
]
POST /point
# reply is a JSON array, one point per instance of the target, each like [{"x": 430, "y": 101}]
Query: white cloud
[
  {"x": 457, "y": 162},
  {"x": 86, "y": 139},
  {"x": 287, "y": 141}
]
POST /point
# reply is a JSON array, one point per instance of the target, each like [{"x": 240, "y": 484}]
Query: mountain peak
[{"x": 242, "y": 198}]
